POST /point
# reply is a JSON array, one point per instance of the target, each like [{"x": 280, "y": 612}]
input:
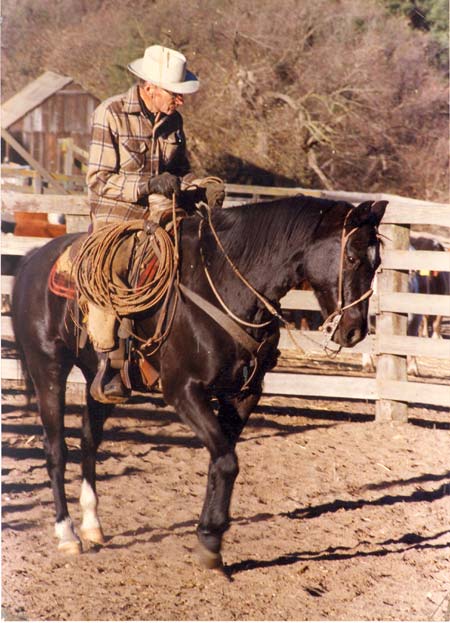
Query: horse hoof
[
  {"x": 93, "y": 535},
  {"x": 70, "y": 548},
  {"x": 208, "y": 559}
]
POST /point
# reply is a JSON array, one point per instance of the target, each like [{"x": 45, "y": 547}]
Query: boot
[{"x": 107, "y": 386}]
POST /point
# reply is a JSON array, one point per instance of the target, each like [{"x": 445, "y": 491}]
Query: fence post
[
  {"x": 68, "y": 156},
  {"x": 37, "y": 184},
  {"x": 392, "y": 367}
]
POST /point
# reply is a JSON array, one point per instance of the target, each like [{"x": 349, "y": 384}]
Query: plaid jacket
[{"x": 125, "y": 151}]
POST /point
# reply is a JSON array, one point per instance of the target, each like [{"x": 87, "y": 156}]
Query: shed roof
[{"x": 31, "y": 96}]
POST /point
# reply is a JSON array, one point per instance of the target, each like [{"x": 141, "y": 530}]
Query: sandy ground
[{"x": 336, "y": 517}]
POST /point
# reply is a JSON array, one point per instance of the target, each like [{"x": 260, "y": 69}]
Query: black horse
[{"x": 212, "y": 379}]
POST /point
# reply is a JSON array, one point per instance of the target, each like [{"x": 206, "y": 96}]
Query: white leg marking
[
  {"x": 88, "y": 503},
  {"x": 91, "y": 529},
  {"x": 69, "y": 543}
]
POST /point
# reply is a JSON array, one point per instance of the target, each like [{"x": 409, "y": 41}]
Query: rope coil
[{"x": 99, "y": 283}]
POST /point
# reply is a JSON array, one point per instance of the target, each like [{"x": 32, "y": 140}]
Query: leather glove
[
  {"x": 215, "y": 194},
  {"x": 164, "y": 184}
]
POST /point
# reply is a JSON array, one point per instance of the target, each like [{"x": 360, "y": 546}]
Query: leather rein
[{"x": 229, "y": 321}]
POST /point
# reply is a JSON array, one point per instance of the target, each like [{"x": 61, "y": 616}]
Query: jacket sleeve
[
  {"x": 104, "y": 177},
  {"x": 180, "y": 164}
]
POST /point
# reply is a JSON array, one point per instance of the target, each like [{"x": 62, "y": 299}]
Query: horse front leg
[
  {"x": 94, "y": 417},
  {"x": 194, "y": 408},
  {"x": 232, "y": 417},
  {"x": 219, "y": 434}
]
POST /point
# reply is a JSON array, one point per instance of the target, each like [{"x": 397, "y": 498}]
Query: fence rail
[{"x": 390, "y": 389}]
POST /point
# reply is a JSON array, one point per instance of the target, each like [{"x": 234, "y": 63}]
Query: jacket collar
[{"x": 131, "y": 103}]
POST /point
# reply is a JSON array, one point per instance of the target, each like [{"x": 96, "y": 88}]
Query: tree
[
  {"x": 319, "y": 93},
  {"x": 427, "y": 15}
]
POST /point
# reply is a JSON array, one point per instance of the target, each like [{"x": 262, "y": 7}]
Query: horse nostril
[{"x": 353, "y": 336}]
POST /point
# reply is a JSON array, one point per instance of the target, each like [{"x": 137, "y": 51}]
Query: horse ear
[
  {"x": 377, "y": 210},
  {"x": 368, "y": 212}
]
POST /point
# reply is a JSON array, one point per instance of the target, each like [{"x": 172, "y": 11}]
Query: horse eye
[{"x": 351, "y": 259}]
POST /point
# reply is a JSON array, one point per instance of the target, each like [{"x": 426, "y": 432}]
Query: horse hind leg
[
  {"x": 94, "y": 417},
  {"x": 49, "y": 383}
]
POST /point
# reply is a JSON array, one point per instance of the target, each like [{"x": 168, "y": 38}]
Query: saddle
[
  {"x": 137, "y": 373},
  {"x": 61, "y": 280}
]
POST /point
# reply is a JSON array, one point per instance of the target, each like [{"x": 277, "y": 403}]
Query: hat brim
[{"x": 191, "y": 83}]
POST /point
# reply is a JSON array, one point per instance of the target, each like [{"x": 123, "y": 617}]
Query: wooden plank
[
  {"x": 13, "y": 172},
  {"x": 311, "y": 385},
  {"x": 426, "y": 214},
  {"x": 407, "y": 302},
  {"x": 10, "y": 370},
  {"x": 300, "y": 299},
  {"x": 269, "y": 191},
  {"x": 6, "y": 325},
  {"x": 419, "y": 393},
  {"x": 60, "y": 204},
  {"x": 20, "y": 245},
  {"x": 311, "y": 342},
  {"x": 7, "y": 282},
  {"x": 416, "y": 346},
  {"x": 6, "y": 136},
  {"x": 9, "y": 171},
  {"x": 416, "y": 260},
  {"x": 13, "y": 187},
  {"x": 320, "y": 386}
]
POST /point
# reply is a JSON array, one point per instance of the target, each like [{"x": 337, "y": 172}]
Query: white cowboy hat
[{"x": 165, "y": 68}]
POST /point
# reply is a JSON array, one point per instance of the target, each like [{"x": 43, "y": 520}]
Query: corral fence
[{"x": 390, "y": 388}]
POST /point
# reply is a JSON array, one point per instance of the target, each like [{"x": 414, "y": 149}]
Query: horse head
[{"x": 342, "y": 265}]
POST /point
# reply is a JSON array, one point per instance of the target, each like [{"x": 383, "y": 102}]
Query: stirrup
[{"x": 108, "y": 391}]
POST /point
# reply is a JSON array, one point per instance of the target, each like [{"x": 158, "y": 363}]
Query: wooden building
[{"x": 49, "y": 108}]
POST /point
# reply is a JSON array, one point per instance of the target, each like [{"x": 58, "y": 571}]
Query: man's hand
[
  {"x": 215, "y": 194},
  {"x": 164, "y": 184}
]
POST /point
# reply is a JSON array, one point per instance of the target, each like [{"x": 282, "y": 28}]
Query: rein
[
  {"x": 331, "y": 323},
  {"x": 270, "y": 308}
]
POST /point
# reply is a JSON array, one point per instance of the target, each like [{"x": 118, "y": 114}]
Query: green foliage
[{"x": 428, "y": 15}]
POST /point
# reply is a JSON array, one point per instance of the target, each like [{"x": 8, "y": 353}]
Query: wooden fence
[{"x": 390, "y": 389}]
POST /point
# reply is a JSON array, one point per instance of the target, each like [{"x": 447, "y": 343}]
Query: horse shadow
[
  {"x": 407, "y": 542},
  {"x": 363, "y": 549}
]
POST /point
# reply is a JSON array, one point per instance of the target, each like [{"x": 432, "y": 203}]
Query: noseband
[{"x": 331, "y": 324}]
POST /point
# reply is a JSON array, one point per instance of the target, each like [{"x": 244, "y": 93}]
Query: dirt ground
[{"x": 336, "y": 517}]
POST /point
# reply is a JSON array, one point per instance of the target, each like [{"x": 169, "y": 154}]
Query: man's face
[{"x": 159, "y": 100}]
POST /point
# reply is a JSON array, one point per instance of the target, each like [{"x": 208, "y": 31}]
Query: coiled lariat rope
[
  {"x": 93, "y": 268},
  {"x": 94, "y": 275}
]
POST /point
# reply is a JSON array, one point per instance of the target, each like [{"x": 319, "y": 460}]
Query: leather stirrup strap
[{"x": 227, "y": 323}]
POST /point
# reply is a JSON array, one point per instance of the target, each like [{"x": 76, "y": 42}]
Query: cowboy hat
[{"x": 165, "y": 68}]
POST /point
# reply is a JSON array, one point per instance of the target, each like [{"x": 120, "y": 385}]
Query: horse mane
[{"x": 269, "y": 225}]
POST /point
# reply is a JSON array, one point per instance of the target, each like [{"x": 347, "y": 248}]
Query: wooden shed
[{"x": 49, "y": 108}]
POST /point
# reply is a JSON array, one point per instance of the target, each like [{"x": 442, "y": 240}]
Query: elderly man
[{"x": 137, "y": 162}]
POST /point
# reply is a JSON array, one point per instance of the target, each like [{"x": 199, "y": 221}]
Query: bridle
[{"x": 331, "y": 324}]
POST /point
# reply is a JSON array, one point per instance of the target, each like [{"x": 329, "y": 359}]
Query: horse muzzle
[{"x": 351, "y": 329}]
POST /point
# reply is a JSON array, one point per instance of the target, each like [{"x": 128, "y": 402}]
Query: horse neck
[{"x": 267, "y": 244}]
